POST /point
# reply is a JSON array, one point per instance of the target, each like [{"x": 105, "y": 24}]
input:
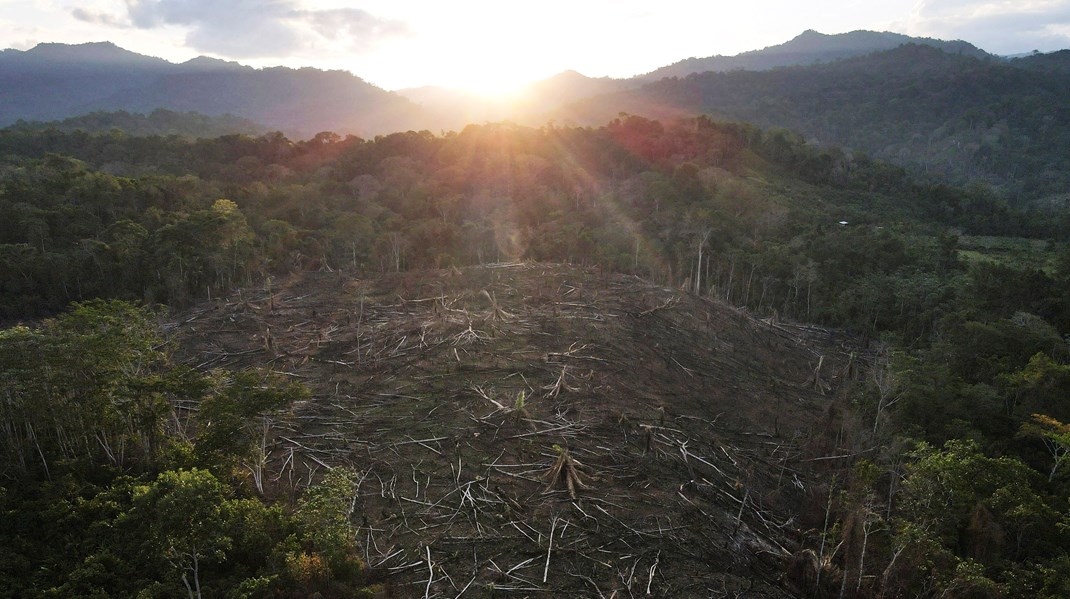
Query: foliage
[
  {"x": 946, "y": 115},
  {"x": 88, "y": 385},
  {"x": 96, "y": 438},
  {"x": 1056, "y": 437},
  {"x": 158, "y": 122},
  {"x": 747, "y": 215},
  {"x": 234, "y": 419},
  {"x": 325, "y": 513},
  {"x": 970, "y": 520}
]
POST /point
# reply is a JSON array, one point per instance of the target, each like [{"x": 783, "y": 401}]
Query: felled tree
[{"x": 566, "y": 473}]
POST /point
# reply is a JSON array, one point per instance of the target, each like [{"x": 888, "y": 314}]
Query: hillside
[
  {"x": 947, "y": 115},
  {"x": 539, "y": 101},
  {"x": 809, "y": 47},
  {"x": 157, "y": 122},
  {"x": 1052, "y": 62},
  {"x": 57, "y": 81},
  {"x": 698, "y": 432},
  {"x": 53, "y": 82}
]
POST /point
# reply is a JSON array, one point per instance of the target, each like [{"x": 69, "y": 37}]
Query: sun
[
  {"x": 486, "y": 79},
  {"x": 491, "y": 87}
]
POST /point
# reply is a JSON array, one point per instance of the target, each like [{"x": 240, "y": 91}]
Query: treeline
[
  {"x": 158, "y": 122},
  {"x": 748, "y": 215},
  {"x": 124, "y": 474}
]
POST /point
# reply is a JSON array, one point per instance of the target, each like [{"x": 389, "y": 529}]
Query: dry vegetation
[{"x": 538, "y": 430}]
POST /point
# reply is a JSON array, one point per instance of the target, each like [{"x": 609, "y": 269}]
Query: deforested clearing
[{"x": 548, "y": 430}]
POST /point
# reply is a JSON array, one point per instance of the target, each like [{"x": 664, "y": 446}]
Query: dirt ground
[{"x": 545, "y": 430}]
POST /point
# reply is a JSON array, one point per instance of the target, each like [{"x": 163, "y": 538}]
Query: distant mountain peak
[
  {"x": 46, "y": 46},
  {"x": 89, "y": 53},
  {"x": 57, "y": 48},
  {"x": 809, "y": 47},
  {"x": 207, "y": 63},
  {"x": 571, "y": 73},
  {"x": 55, "y": 81}
]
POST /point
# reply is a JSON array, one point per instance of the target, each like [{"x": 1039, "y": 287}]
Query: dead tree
[
  {"x": 566, "y": 473},
  {"x": 815, "y": 380}
]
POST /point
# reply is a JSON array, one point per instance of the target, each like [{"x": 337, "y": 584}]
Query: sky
[{"x": 496, "y": 45}]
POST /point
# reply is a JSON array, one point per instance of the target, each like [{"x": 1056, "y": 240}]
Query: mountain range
[
  {"x": 809, "y": 47},
  {"x": 536, "y": 103},
  {"x": 949, "y": 114},
  {"x": 58, "y": 81},
  {"x": 946, "y": 107}
]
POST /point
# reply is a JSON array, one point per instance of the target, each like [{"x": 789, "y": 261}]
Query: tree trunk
[
  {"x": 196, "y": 573},
  {"x": 824, "y": 532},
  {"x": 728, "y": 288},
  {"x": 865, "y": 540},
  {"x": 698, "y": 269}
]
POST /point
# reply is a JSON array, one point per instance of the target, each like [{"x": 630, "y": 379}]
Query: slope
[
  {"x": 57, "y": 81},
  {"x": 158, "y": 122},
  {"x": 809, "y": 47},
  {"x": 476, "y": 402},
  {"x": 535, "y": 103},
  {"x": 951, "y": 115}
]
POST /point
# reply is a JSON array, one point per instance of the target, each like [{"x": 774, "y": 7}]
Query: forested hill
[
  {"x": 58, "y": 81},
  {"x": 944, "y": 107},
  {"x": 694, "y": 202},
  {"x": 1052, "y": 62},
  {"x": 531, "y": 359},
  {"x": 809, "y": 47},
  {"x": 539, "y": 101},
  {"x": 158, "y": 122},
  {"x": 947, "y": 115}
]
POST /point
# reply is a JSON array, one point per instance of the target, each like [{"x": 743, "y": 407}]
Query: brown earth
[{"x": 666, "y": 445}]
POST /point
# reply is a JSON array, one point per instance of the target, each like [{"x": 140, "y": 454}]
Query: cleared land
[{"x": 545, "y": 430}]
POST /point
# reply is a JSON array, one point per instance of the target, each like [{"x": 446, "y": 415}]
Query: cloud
[
  {"x": 1000, "y": 26},
  {"x": 360, "y": 28},
  {"x": 98, "y": 18},
  {"x": 258, "y": 28}
]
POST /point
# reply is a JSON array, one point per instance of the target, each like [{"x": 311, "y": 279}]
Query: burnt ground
[{"x": 692, "y": 434}]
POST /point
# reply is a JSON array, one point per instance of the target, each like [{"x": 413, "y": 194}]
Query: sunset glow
[{"x": 495, "y": 47}]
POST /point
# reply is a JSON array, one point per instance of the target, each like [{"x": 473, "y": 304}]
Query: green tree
[
  {"x": 961, "y": 514},
  {"x": 325, "y": 512},
  {"x": 236, "y": 419},
  {"x": 184, "y": 510},
  {"x": 83, "y": 386},
  {"x": 1056, "y": 437}
]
